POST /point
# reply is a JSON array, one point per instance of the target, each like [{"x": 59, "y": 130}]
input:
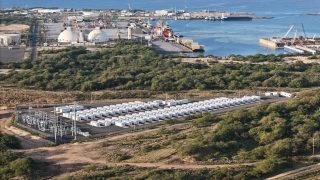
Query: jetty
[{"x": 295, "y": 44}]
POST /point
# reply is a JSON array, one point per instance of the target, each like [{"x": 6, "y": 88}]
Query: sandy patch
[{"x": 13, "y": 28}]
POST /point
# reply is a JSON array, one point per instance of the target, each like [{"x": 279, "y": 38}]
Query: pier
[
  {"x": 169, "y": 47},
  {"x": 295, "y": 44},
  {"x": 201, "y": 15}
]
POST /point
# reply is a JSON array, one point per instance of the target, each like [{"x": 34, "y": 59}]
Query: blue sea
[{"x": 219, "y": 38}]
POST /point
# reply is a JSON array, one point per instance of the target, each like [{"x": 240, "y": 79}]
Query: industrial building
[
  {"x": 98, "y": 36},
  {"x": 10, "y": 39},
  {"x": 69, "y": 35},
  {"x": 102, "y": 119},
  {"x": 72, "y": 36},
  {"x": 140, "y": 113},
  {"x": 278, "y": 94}
]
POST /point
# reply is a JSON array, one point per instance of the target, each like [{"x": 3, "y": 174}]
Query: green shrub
[
  {"x": 205, "y": 120},
  {"x": 22, "y": 167},
  {"x": 9, "y": 141},
  {"x": 131, "y": 66}
]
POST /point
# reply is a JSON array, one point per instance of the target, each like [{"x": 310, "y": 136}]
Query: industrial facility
[
  {"x": 92, "y": 28},
  {"x": 64, "y": 123},
  {"x": 10, "y": 39},
  {"x": 70, "y": 27},
  {"x": 296, "y": 44}
]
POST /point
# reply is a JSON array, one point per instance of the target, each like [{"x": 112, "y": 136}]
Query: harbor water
[{"x": 219, "y": 38}]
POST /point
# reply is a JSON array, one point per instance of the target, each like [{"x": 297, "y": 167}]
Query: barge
[{"x": 237, "y": 18}]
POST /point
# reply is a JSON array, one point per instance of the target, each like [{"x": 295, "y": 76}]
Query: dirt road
[
  {"x": 293, "y": 174},
  {"x": 179, "y": 166},
  {"x": 72, "y": 157},
  {"x": 77, "y": 152},
  {"x": 27, "y": 140}
]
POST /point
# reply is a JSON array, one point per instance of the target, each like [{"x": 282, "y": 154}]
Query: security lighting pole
[
  {"x": 313, "y": 145},
  {"x": 74, "y": 122},
  {"x": 55, "y": 125}
]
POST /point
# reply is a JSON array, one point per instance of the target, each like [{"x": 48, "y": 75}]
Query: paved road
[
  {"x": 11, "y": 55},
  {"x": 33, "y": 42},
  {"x": 167, "y": 47}
]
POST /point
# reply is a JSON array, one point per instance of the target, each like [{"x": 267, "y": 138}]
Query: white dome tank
[
  {"x": 98, "y": 36},
  {"x": 68, "y": 36}
]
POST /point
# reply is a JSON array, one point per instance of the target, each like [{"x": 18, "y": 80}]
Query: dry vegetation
[
  {"x": 159, "y": 146},
  {"x": 166, "y": 147},
  {"x": 10, "y": 97},
  {"x": 13, "y": 28},
  {"x": 210, "y": 60},
  {"x": 304, "y": 59}
]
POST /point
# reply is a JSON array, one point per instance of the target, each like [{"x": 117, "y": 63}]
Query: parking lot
[{"x": 11, "y": 55}]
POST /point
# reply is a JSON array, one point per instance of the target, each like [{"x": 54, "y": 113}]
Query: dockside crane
[
  {"x": 304, "y": 32},
  {"x": 288, "y": 32},
  {"x": 295, "y": 37}
]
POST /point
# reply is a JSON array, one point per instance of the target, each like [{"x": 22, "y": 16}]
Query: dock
[
  {"x": 307, "y": 49},
  {"x": 200, "y": 15},
  {"x": 296, "y": 44},
  {"x": 300, "y": 46},
  {"x": 169, "y": 47},
  {"x": 293, "y": 49},
  {"x": 164, "y": 39}
]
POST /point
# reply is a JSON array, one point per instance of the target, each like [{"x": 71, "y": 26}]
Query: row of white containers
[
  {"x": 114, "y": 110},
  {"x": 68, "y": 108},
  {"x": 156, "y": 115}
]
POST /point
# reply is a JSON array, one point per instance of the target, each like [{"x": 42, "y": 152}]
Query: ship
[
  {"x": 167, "y": 32},
  {"x": 236, "y": 18},
  {"x": 163, "y": 29}
]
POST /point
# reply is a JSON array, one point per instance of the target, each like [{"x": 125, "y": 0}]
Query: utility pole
[
  {"x": 61, "y": 126},
  {"x": 72, "y": 127},
  {"x": 55, "y": 125},
  {"x": 313, "y": 145},
  {"x": 259, "y": 98},
  {"x": 75, "y": 125}
]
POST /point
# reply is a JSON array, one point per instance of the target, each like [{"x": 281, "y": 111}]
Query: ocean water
[{"x": 219, "y": 38}]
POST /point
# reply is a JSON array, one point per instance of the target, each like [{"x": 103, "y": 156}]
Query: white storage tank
[
  {"x": 98, "y": 36},
  {"x": 68, "y": 36}
]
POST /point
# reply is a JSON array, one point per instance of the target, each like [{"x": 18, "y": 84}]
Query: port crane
[
  {"x": 290, "y": 29},
  {"x": 304, "y": 32},
  {"x": 295, "y": 37}
]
